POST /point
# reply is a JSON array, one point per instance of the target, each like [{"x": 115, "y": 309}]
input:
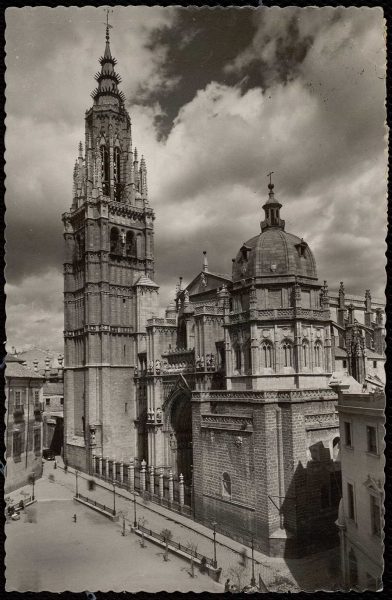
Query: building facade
[
  {"x": 361, "y": 513},
  {"x": 108, "y": 291},
  {"x": 49, "y": 365},
  {"x": 228, "y": 394},
  {"x": 24, "y": 404}
]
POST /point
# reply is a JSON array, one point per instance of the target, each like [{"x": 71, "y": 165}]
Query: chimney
[{"x": 47, "y": 366}]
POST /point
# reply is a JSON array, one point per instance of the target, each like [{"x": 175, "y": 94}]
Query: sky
[{"x": 218, "y": 98}]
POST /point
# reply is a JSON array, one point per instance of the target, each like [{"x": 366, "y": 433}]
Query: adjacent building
[
  {"x": 226, "y": 397},
  {"x": 361, "y": 521},
  {"x": 24, "y": 405},
  {"x": 49, "y": 365}
]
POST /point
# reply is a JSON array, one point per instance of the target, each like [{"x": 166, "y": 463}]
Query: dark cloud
[{"x": 217, "y": 98}]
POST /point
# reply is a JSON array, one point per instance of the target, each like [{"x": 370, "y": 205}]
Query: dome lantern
[{"x": 272, "y": 209}]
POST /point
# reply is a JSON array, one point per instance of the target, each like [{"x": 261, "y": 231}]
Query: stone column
[
  {"x": 114, "y": 465},
  {"x": 171, "y": 491},
  {"x": 143, "y": 477},
  {"x": 107, "y": 468},
  {"x": 181, "y": 489},
  {"x": 161, "y": 482},
  {"x": 100, "y": 466},
  {"x": 94, "y": 465},
  {"x": 121, "y": 472},
  {"x": 131, "y": 475},
  {"x": 152, "y": 483}
]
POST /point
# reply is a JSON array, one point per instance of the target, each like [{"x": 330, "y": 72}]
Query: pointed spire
[
  {"x": 272, "y": 209},
  {"x": 205, "y": 262},
  {"x": 80, "y": 150},
  {"x": 107, "y": 78}
]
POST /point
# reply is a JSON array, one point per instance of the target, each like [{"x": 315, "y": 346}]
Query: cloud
[{"x": 318, "y": 124}]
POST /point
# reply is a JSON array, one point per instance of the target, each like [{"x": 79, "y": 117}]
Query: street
[
  {"x": 47, "y": 550},
  {"x": 63, "y": 554}
]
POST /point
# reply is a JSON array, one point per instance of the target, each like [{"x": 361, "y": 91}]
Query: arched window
[
  {"x": 105, "y": 171},
  {"x": 238, "y": 358},
  {"x": 317, "y": 354},
  {"x": 114, "y": 239},
  {"x": 130, "y": 243},
  {"x": 266, "y": 355},
  {"x": 226, "y": 485},
  {"x": 287, "y": 354},
  {"x": 305, "y": 353}
]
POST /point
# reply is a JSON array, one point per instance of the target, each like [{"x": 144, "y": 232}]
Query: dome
[{"x": 274, "y": 252}]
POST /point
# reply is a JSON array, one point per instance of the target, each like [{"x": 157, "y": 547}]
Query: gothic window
[
  {"x": 266, "y": 355},
  {"x": 114, "y": 239},
  {"x": 130, "y": 243},
  {"x": 117, "y": 173},
  {"x": 238, "y": 358},
  {"x": 317, "y": 354},
  {"x": 226, "y": 485},
  {"x": 105, "y": 170},
  {"x": 305, "y": 353},
  {"x": 287, "y": 354},
  {"x": 248, "y": 357}
]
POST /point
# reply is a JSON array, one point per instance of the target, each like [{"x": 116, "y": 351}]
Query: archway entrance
[{"x": 181, "y": 437}]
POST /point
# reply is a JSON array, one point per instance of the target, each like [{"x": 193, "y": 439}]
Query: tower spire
[
  {"x": 272, "y": 209},
  {"x": 108, "y": 80}
]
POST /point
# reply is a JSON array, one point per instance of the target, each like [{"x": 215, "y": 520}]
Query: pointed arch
[
  {"x": 130, "y": 242},
  {"x": 247, "y": 357},
  {"x": 237, "y": 358},
  {"x": 105, "y": 166},
  {"x": 318, "y": 353},
  {"x": 266, "y": 354},
  {"x": 114, "y": 239},
  {"x": 287, "y": 349}
]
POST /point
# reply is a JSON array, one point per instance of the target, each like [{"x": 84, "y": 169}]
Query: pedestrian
[
  {"x": 65, "y": 467},
  {"x": 74, "y": 518},
  {"x": 55, "y": 464},
  {"x": 227, "y": 585}
]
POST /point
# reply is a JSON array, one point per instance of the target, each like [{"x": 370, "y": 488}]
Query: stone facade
[
  {"x": 24, "y": 404},
  {"x": 227, "y": 395}
]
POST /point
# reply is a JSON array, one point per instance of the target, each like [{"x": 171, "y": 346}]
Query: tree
[
  {"x": 192, "y": 548},
  {"x": 166, "y": 535}
]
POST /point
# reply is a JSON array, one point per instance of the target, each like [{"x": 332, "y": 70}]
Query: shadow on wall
[{"x": 311, "y": 504}]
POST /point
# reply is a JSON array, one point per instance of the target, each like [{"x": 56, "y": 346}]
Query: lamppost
[
  {"x": 134, "y": 510},
  {"x": 214, "y": 524},
  {"x": 76, "y": 485},
  {"x": 253, "y": 580},
  {"x": 114, "y": 499},
  {"x": 33, "y": 483}
]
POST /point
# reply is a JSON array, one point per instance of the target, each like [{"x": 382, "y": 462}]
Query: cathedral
[{"x": 224, "y": 401}]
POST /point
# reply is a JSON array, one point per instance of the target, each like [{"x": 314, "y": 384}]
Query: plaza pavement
[{"x": 310, "y": 574}]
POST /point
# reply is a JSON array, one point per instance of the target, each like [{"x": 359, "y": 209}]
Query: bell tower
[{"x": 109, "y": 257}]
